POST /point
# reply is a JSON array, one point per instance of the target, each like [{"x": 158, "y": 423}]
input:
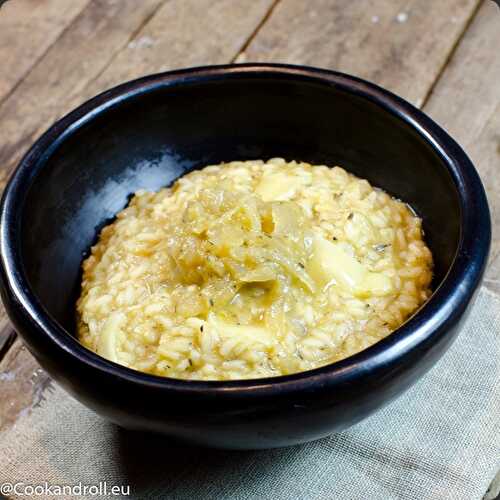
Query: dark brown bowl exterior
[{"x": 145, "y": 134}]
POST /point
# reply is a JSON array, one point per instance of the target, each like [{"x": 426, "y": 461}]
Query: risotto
[{"x": 252, "y": 269}]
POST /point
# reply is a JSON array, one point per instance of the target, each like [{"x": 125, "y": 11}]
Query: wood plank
[
  {"x": 27, "y": 29},
  {"x": 466, "y": 101},
  {"x": 375, "y": 41},
  {"x": 93, "y": 56},
  {"x": 80, "y": 54},
  {"x": 22, "y": 384},
  {"x": 401, "y": 45},
  {"x": 179, "y": 37},
  {"x": 7, "y": 333}
]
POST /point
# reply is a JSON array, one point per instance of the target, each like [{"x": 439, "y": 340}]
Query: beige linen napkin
[{"x": 440, "y": 440}]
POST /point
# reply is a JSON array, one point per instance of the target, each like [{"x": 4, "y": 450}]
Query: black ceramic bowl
[{"x": 147, "y": 133}]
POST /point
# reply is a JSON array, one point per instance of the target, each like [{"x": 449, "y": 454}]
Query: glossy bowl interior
[
  {"x": 150, "y": 140},
  {"x": 146, "y": 134}
]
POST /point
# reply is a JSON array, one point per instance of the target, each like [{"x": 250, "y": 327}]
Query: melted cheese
[
  {"x": 241, "y": 332},
  {"x": 278, "y": 186},
  {"x": 331, "y": 264}
]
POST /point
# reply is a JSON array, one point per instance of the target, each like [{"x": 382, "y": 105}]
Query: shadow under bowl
[{"x": 145, "y": 134}]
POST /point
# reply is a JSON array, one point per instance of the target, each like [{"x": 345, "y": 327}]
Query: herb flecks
[{"x": 380, "y": 248}]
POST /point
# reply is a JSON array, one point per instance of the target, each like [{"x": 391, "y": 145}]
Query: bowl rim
[{"x": 440, "y": 313}]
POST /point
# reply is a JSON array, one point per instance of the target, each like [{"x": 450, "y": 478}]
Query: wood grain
[
  {"x": 79, "y": 56},
  {"x": 22, "y": 384},
  {"x": 112, "y": 42},
  {"x": 178, "y": 36},
  {"x": 7, "y": 333},
  {"x": 27, "y": 29},
  {"x": 401, "y": 45}
]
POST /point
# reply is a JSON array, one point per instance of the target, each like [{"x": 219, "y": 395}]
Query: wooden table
[{"x": 443, "y": 56}]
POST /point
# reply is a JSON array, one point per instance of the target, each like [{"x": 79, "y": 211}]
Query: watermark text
[{"x": 45, "y": 489}]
